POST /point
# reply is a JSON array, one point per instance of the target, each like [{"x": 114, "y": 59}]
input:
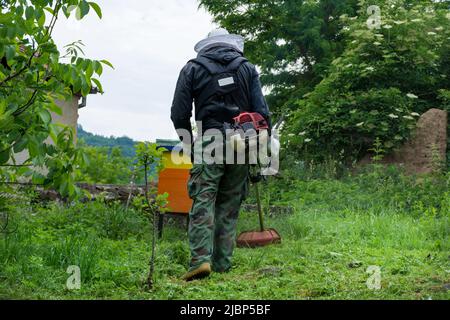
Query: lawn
[{"x": 339, "y": 228}]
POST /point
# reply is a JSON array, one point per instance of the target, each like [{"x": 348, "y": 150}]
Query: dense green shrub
[
  {"x": 111, "y": 221},
  {"x": 377, "y": 187},
  {"x": 378, "y": 87},
  {"x": 105, "y": 166}
]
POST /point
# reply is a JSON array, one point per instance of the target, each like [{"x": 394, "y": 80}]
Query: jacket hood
[{"x": 222, "y": 54}]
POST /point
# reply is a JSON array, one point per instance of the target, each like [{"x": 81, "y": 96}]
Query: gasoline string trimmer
[{"x": 262, "y": 237}]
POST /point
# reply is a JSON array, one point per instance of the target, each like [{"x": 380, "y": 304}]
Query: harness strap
[{"x": 215, "y": 68}]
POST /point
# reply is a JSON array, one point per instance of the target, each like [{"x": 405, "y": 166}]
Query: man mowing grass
[{"x": 223, "y": 84}]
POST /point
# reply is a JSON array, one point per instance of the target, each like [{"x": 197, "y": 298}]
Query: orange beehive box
[
  {"x": 174, "y": 182},
  {"x": 174, "y": 178}
]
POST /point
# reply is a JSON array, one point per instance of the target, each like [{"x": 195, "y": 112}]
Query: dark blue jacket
[{"x": 194, "y": 78}]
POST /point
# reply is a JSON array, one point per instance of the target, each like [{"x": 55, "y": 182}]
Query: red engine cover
[{"x": 258, "y": 120}]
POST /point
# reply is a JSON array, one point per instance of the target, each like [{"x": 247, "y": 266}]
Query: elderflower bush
[{"x": 383, "y": 81}]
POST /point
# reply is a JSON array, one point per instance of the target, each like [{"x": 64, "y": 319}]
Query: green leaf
[
  {"x": 98, "y": 67},
  {"x": 66, "y": 11},
  {"x": 86, "y": 159},
  {"x": 10, "y": 52},
  {"x": 41, "y": 21},
  {"x": 98, "y": 84},
  {"x": 29, "y": 13},
  {"x": 78, "y": 14},
  {"x": 19, "y": 11},
  {"x": 45, "y": 116},
  {"x": 77, "y": 85},
  {"x": 53, "y": 107},
  {"x": 38, "y": 178},
  {"x": 53, "y": 133},
  {"x": 107, "y": 63},
  {"x": 89, "y": 69},
  {"x": 2, "y": 107},
  {"x": 40, "y": 16},
  {"x": 82, "y": 9},
  {"x": 85, "y": 87},
  {"x": 4, "y": 156},
  {"x": 63, "y": 188},
  {"x": 21, "y": 145},
  {"x": 49, "y": 10},
  {"x": 96, "y": 8},
  {"x": 38, "y": 13}
]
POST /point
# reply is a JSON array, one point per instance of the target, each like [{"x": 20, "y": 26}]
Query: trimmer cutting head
[
  {"x": 263, "y": 237},
  {"x": 253, "y": 239}
]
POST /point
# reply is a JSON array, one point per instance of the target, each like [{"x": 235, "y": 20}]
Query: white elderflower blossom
[
  {"x": 431, "y": 33},
  {"x": 308, "y": 140},
  {"x": 415, "y": 114},
  {"x": 392, "y": 116},
  {"x": 408, "y": 117},
  {"x": 412, "y": 96},
  {"x": 360, "y": 124},
  {"x": 302, "y": 133}
]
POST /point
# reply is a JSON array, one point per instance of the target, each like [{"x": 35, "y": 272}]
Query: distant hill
[{"x": 126, "y": 144}]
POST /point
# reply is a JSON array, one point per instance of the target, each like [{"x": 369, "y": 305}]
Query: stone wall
[{"x": 427, "y": 143}]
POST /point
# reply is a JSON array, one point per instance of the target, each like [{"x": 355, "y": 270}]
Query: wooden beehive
[{"x": 174, "y": 178}]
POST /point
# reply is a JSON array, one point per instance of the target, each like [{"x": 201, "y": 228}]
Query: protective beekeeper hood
[{"x": 219, "y": 37}]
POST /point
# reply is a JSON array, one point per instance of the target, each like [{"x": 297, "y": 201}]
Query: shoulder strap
[
  {"x": 235, "y": 64},
  {"x": 215, "y": 68},
  {"x": 207, "y": 64}
]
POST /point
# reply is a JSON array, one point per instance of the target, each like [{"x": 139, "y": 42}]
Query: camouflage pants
[{"x": 217, "y": 191}]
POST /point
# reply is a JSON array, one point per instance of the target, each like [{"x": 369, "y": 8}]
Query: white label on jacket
[{"x": 226, "y": 81}]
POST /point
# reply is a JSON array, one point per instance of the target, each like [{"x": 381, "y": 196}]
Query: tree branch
[{"x": 30, "y": 102}]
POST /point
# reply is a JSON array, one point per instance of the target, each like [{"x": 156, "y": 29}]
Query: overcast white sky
[{"x": 148, "y": 41}]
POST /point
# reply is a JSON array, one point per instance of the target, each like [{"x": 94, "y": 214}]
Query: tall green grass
[{"x": 339, "y": 227}]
